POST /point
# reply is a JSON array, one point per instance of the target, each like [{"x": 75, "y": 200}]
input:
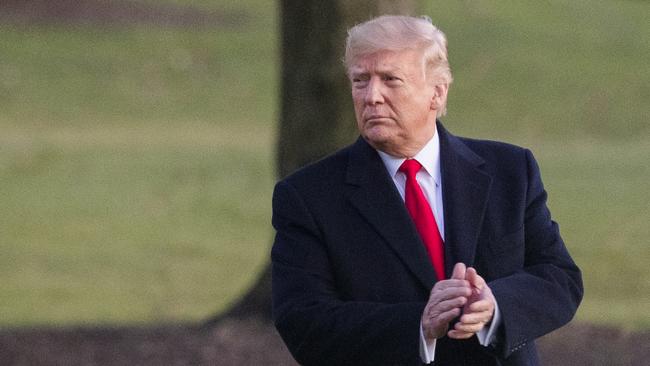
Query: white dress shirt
[{"x": 430, "y": 180}]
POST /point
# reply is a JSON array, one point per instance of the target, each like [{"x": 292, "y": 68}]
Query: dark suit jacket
[{"x": 351, "y": 276}]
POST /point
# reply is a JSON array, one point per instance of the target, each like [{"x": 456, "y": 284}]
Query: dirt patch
[
  {"x": 255, "y": 342},
  {"x": 589, "y": 345},
  {"x": 115, "y": 13},
  {"x": 242, "y": 342}
]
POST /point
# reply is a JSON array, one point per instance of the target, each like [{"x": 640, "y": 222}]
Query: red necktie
[{"x": 422, "y": 216}]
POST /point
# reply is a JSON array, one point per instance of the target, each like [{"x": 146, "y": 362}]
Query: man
[{"x": 413, "y": 245}]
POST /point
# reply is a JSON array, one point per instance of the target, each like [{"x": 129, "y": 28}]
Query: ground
[
  {"x": 231, "y": 341},
  {"x": 255, "y": 342}
]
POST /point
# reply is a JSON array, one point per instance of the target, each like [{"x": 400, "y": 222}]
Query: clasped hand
[{"x": 466, "y": 295}]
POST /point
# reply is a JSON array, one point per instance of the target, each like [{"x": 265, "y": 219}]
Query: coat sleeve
[
  {"x": 545, "y": 293},
  {"x": 316, "y": 324}
]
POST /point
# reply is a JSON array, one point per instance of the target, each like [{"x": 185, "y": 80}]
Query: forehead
[{"x": 406, "y": 61}]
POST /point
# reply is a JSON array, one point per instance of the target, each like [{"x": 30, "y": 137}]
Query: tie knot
[{"x": 410, "y": 167}]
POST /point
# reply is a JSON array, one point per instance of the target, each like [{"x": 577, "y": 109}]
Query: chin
[
  {"x": 378, "y": 132},
  {"x": 378, "y": 140}
]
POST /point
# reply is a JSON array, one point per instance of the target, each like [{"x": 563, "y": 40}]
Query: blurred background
[{"x": 138, "y": 141}]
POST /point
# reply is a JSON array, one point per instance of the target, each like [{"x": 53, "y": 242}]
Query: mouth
[{"x": 376, "y": 119}]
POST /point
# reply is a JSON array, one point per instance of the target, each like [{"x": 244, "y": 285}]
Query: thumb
[{"x": 459, "y": 271}]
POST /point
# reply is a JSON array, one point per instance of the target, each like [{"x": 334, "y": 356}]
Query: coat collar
[{"x": 465, "y": 189}]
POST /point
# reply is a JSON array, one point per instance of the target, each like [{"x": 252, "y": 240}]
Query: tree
[{"x": 317, "y": 115}]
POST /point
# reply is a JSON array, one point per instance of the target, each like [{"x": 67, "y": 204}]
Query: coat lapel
[
  {"x": 371, "y": 190},
  {"x": 465, "y": 189}
]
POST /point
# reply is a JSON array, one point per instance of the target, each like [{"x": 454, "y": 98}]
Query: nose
[{"x": 373, "y": 92}]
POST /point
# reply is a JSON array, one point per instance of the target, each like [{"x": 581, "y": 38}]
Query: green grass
[
  {"x": 136, "y": 170},
  {"x": 558, "y": 69},
  {"x": 92, "y": 77},
  {"x": 113, "y": 226},
  {"x": 598, "y": 192},
  {"x": 136, "y": 164}
]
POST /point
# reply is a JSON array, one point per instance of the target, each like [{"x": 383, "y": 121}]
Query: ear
[{"x": 439, "y": 97}]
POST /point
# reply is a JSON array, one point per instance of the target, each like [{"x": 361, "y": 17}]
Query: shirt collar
[{"x": 429, "y": 157}]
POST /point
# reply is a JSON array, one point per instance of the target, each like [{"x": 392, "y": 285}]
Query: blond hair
[{"x": 398, "y": 33}]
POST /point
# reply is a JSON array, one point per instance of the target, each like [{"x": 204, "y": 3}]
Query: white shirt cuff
[
  {"x": 487, "y": 336},
  {"x": 427, "y": 349}
]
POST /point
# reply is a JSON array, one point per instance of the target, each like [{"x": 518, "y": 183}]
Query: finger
[
  {"x": 449, "y": 293},
  {"x": 447, "y": 305},
  {"x": 476, "y": 318},
  {"x": 481, "y": 306},
  {"x": 450, "y": 288},
  {"x": 456, "y": 334},
  {"x": 447, "y": 316},
  {"x": 474, "y": 279},
  {"x": 469, "y": 328},
  {"x": 459, "y": 271},
  {"x": 441, "y": 285}
]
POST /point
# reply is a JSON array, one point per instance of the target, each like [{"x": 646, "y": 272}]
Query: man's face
[{"x": 394, "y": 103}]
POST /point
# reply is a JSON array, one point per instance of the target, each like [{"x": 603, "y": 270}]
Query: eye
[
  {"x": 392, "y": 80},
  {"x": 359, "y": 81}
]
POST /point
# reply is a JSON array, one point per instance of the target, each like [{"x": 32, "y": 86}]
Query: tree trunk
[{"x": 317, "y": 116}]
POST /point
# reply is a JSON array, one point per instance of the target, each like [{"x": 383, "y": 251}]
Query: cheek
[
  {"x": 359, "y": 104},
  {"x": 357, "y": 98},
  {"x": 358, "y": 110},
  {"x": 359, "y": 122}
]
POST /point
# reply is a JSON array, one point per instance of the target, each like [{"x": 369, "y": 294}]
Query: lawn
[
  {"x": 136, "y": 167},
  {"x": 137, "y": 163}
]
